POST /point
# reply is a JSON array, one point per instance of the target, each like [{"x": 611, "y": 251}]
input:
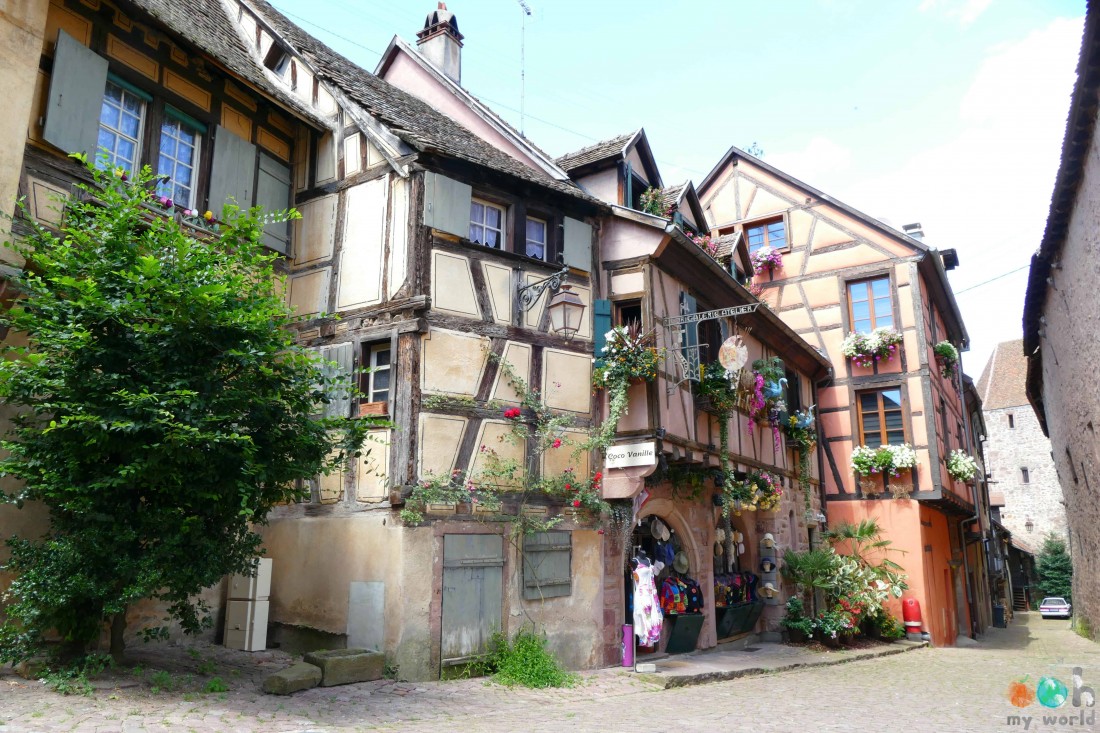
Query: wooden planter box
[{"x": 373, "y": 408}]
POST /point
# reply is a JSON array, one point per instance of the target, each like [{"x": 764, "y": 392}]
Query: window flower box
[
  {"x": 373, "y": 408},
  {"x": 864, "y": 349}
]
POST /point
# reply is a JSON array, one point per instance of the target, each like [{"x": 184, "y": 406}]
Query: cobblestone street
[{"x": 934, "y": 690}]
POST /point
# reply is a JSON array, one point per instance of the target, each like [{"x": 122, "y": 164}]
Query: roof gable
[{"x": 608, "y": 152}]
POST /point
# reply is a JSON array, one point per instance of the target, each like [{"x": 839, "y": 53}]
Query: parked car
[{"x": 1055, "y": 608}]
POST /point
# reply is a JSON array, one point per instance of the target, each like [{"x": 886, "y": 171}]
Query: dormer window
[
  {"x": 277, "y": 59},
  {"x": 487, "y": 224}
]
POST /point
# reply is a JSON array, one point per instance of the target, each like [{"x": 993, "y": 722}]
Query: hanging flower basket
[
  {"x": 767, "y": 260},
  {"x": 961, "y": 466},
  {"x": 947, "y": 358},
  {"x": 865, "y": 349}
]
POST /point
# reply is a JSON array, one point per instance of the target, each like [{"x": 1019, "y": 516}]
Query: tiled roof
[
  {"x": 208, "y": 26},
  {"x": 670, "y": 195},
  {"x": 1004, "y": 378},
  {"x": 725, "y": 246},
  {"x": 593, "y": 153}
]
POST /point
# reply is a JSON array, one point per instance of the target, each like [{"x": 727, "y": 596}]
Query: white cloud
[
  {"x": 964, "y": 11},
  {"x": 986, "y": 191},
  {"x": 820, "y": 160}
]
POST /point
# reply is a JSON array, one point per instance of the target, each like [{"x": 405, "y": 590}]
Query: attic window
[{"x": 277, "y": 59}]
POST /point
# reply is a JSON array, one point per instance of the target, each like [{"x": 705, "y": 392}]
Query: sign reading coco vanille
[{"x": 631, "y": 454}]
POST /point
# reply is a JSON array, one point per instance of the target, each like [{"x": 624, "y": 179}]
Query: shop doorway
[
  {"x": 736, "y": 606},
  {"x": 660, "y": 573}
]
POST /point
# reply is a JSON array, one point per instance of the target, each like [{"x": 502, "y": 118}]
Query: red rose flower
[{"x": 576, "y": 502}]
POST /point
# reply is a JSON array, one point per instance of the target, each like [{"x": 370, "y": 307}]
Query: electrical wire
[{"x": 992, "y": 279}]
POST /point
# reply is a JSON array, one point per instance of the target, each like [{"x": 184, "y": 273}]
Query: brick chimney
[{"x": 441, "y": 43}]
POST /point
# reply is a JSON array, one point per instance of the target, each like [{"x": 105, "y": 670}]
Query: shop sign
[{"x": 631, "y": 454}]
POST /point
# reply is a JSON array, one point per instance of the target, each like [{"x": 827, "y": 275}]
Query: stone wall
[
  {"x": 1008, "y": 450},
  {"x": 1071, "y": 352}
]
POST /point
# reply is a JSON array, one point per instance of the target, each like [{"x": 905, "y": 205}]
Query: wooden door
[{"x": 473, "y": 594}]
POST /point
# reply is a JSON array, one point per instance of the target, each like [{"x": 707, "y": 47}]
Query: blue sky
[{"x": 946, "y": 112}]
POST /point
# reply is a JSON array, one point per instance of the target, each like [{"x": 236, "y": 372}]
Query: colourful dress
[{"x": 647, "y": 612}]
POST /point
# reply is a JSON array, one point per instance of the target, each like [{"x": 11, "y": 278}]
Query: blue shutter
[
  {"x": 601, "y": 324},
  {"x": 232, "y": 172},
  {"x": 273, "y": 193},
  {"x": 76, "y": 96},
  {"x": 577, "y": 249},
  {"x": 447, "y": 204}
]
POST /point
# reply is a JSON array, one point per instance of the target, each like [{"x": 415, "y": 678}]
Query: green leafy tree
[
  {"x": 1055, "y": 568},
  {"x": 162, "y": 408}
]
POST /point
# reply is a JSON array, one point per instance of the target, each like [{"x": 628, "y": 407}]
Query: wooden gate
[{"x": 473, "y": 594}]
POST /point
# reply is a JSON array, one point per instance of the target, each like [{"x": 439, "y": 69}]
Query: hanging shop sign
[{"x": 625, "y": 455}]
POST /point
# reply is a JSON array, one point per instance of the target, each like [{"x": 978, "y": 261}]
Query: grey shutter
[
  {"x": 447, "y": 204},
  {"x": 273, "y": 193},
  {"x": 338, "y": 365},
  {"x": 473, "y": 595},
  {"x": 547, "y": 565},
  {"x": 232, "y": 172},
  {"x": 76, "y": 96},
  {"x": 577, "y": 247}
]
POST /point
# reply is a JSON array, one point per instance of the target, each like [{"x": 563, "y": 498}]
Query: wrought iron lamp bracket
[{"x": 530, "y": 294}]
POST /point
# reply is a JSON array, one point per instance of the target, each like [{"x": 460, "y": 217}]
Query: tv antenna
[{"x": 522, "y": 63}]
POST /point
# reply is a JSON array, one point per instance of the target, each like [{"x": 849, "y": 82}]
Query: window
[
  {"x": 767, "y": 234},
  {"x": 536, "y": 238},
  {"x": 1011, "y": 421},
  {"x": 629, "y": 311},
  {"x": 377, "y": 382},
  {"x": 880, "y": 418},
  {"x": 869, "y": 305},
  {"x": 120, "y": 123},
  {"x": 179, "y": 155},
  {"x": 1025, "y": 476},
  {"x": 794, "y": 393},
  {"x": 486, "y": 224}
]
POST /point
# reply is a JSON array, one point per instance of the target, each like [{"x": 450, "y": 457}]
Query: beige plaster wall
[{"x": 22, "y": 35}]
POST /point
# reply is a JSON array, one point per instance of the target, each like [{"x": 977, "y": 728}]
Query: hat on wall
[
  {"x": 658, "y": 529},
  {"x": 718, "y": 549},
  {"x": 680, "y": 563},
  {"x": 769, "y": 540},
  {"x": 767, "y": 565},
  {"x": 738, "y": 537},
  {"x": 768, "y": 591},
  {"x": 741, "y": 548},
  {"x": 720, "y": 534}
]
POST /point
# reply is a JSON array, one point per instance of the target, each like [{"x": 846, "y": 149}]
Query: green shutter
[
  {"x": 232, "y": 172},
  {"x": 76, "y": 96},
  {"x": 447, "y": 204},
  {"x": 601, "y": 324},
  {"x": 273, "y": 193},
  {"x": 547, "y": 565},
  {"x": 577, "y": 249}
]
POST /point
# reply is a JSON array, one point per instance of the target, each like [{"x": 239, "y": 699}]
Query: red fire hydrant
[{"x": 910, "y": 613}]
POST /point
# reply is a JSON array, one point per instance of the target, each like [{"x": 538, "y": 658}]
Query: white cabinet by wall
[{"x": 247, "y": 610}]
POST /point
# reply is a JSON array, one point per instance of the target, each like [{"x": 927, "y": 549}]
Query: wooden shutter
[
  {"x": 447, "y": 204},
  {"x": 76, "y": 96},
  {"x": 547, "y": 565},
  {"x": 577, "y": 247},
  {"x": 273, "y": 193},
  {"x": 601, "y": 324},
  {"x": 473, "y": 595},
  {"x": 233, "y": 171},
  {"x": 338, "y": 365}
]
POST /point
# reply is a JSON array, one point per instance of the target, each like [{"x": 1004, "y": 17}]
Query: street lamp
[
  {"x": 1029, "y": 525},
  {"x": 566, "y": 308}
]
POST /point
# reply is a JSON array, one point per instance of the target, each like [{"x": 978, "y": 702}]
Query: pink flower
[
  {"x": 557, "y": 443},
  {"x": 512, "y": 412},
  {"x": 576, "y": 502}
]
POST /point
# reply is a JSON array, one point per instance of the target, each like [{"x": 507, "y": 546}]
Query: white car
[{"x": 1055, "y": 608}]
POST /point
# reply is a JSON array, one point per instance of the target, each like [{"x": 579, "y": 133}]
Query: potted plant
[
  {"x": 961, "y": 466},
  {"x": 947, "y": 357},
  {"x": 798, "y": 626},
  {"x": 867, "y": 348},
  {"x": 766, "y": 402},
  {"x": 628, "y": 356},
  {"x": 828, "y": 626}
]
